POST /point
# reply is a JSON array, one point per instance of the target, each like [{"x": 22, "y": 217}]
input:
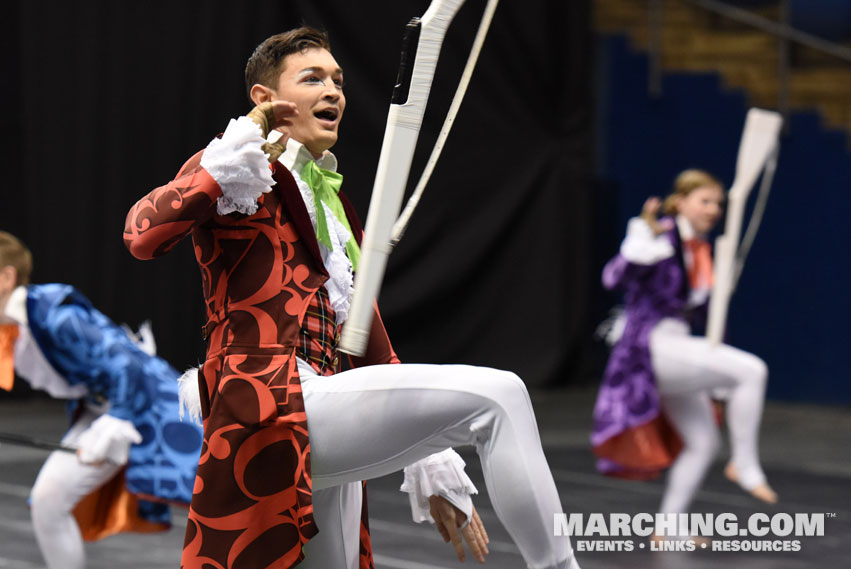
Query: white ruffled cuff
[
  {"x": 108, "y": 438},
  {"x": 642, "y": 247},
  {"x": 441, "y": 474},
  {"x": 239, "y": 166}
]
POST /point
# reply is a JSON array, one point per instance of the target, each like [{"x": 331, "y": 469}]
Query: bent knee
[
  {"x": 493, "y": 391},
  {"x": 759, "y": 368},
  {"x": 752, "y": 369},
  {"x": 506, "y": 394},
  {"x": 740, "y": 367},
  {"x": 505, "y": 386}
]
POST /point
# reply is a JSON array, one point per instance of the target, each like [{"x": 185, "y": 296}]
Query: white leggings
[
  {"x": 337, "y": 511},
  {"x": 62, "y": 482},
  {"x": 688, "y": 369},
  {"x": 371, "y": 421}
]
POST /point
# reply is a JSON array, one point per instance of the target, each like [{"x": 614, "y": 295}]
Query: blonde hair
[
  {"x": 685, "y": 183},
  {"x": 15, "y": 254}
]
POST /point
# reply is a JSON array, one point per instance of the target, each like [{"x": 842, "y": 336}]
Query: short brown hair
[
  {"x": 15, "y": 254},
  {"x": 266, "y": 63},
  {"x": 685, "y": 183}
]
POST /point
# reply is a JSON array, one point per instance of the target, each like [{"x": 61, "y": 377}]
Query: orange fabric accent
[
  {"x": 8, "y": 335},
  {"x": 700, "y": 271},
  {"x": 644, "y": 450},
  {"x": 112, "y": 509}
]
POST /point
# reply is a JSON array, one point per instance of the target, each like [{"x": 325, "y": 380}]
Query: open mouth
[{"x": 330, "y": 114}]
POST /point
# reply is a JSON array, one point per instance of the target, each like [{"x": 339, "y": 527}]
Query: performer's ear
[{"x": 260, "y": 94}]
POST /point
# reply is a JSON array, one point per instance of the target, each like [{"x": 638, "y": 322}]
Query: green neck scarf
[{"x": 325, "y": 186}]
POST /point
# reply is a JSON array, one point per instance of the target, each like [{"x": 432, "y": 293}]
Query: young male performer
[
  {"x": 134, "y": 454},
  {"x": 276, "y": 248}
]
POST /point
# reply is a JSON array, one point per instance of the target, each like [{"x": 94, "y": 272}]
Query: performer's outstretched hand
[
  {"x": 650, "y": 213},
  {"x": 448, "y": 519}
]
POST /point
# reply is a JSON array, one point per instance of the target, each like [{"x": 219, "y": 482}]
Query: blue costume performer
[{"x": 134, "y": 454}]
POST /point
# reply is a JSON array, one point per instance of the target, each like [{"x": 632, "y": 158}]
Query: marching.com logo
[{"x": 688, "y": 532}]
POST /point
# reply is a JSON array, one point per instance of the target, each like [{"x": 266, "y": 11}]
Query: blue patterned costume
[{"x": 86, "y": 347}]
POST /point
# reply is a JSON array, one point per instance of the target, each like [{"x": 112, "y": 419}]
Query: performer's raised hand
[
  {"x": 274, "y": 115},
  {"x": 650, "y": 214},
  {"x": 448, "y": 519}
]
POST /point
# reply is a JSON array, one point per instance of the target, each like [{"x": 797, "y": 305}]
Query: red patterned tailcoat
[{"x": 252, "y": 506}]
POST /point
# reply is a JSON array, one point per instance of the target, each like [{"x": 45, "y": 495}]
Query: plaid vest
[
  {"x": 317, "y": 345},
  {"x": 320, "y": 336}
]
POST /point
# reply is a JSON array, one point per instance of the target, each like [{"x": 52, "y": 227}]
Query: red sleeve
[{"x": 162, "y": 218}]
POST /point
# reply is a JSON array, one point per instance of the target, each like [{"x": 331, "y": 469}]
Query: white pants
[
  {"x": 62, "y": 482},
  {"x": 688, "y": 369},
  {"x": 337, "y": 511},
  {"x": 371, "y": 421}
]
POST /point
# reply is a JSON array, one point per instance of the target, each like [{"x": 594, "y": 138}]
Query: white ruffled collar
[
  {"x": 335, "y": 259},
  {"x": 16, "y": 306},
  {"x": 297, "y": 155},
  {"x": 685, "y": 228}
]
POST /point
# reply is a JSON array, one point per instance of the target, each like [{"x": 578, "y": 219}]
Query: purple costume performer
[{"x": 631, "y": 436}]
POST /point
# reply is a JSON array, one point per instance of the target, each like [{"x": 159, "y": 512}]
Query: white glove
[{"x": 108, "y": 438}]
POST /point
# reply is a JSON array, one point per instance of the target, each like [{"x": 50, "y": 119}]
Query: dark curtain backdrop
[{"x": 103, "y": 100}]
